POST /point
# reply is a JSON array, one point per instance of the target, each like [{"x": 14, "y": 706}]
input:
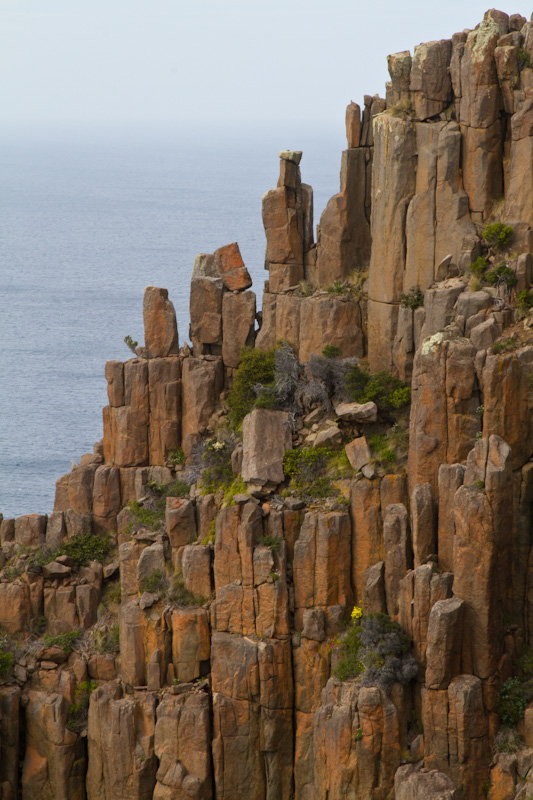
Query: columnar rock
[
  {"x": 126, "y": 426},
  {"x": 423, "y": 519},
  {"x": 202, "y": 381},
  {"x": 182, "y": 745},
  {"x": 418, "y": 592},
  {"x": 321, "y": 567},
  {"x": 230, "y": 268},
  {"x": 344, "y": 231},
  {"x": 444, "y": 420},
  {"x": 444, "y": 642},
  {"x": 450, "y": 479},
  {"x": 413, "y": 784},
  {"x": 357, "y": 734},
  {"x": 160, "y": 329},
  {"x": 456, "y": 733},
  {"x": 9, "y": 740},
  {"x": 330, "y": 320},
  {"x": 394, "y": 184},
  {"x": 482, "y": 552},
  {"x": 286, "y": 229},
  {"x": 430, "y": 84},
  {"x": 120, "y": 743},
  {"x": 238, "y": 317},
  {"x": 398, "y": 556},
  {"x": 164, "y": 393},
  {"x": 54, "y": 760},
  {"x": 252, "y": 717},
  {"x": 266, "y": 437},
  {"x": 205, "y": 306}
]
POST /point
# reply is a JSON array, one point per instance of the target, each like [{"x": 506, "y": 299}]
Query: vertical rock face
[{"x": 160, "y": 329}]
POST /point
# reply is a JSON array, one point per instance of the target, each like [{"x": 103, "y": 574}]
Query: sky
[{"x": 132, "y": 62}]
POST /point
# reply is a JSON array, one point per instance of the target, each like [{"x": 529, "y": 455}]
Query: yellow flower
[{"x": 357, "y": 613}]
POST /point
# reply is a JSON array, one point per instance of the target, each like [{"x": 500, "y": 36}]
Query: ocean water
[{"x": 87, "y": 220}]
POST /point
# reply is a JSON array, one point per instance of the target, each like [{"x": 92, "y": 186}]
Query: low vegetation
[
  {"x": 256, "y": 368},
  {"x": 81, "y": 549},
  {"x": 386, "y": 391},
  {"x": 172, "y": 588},
  {"x": 78, "y": 711},
  {"x": 376, "y": 652},
  {"x": 66, "y": 641},
  {"x": 151, "y": 514},
  {"x": 413, "y": 299},
  {"x": 498, "y": 235},
  {"x": 307, "y": 470}
]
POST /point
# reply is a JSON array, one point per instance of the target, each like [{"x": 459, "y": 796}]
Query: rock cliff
[{"x": 299, "y": 564}]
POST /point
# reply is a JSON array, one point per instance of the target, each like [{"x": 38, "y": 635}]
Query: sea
[{"x": 89, "y": 216}]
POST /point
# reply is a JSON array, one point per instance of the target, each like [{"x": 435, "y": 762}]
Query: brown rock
[
  {"x": 182, "y": 745},
  {"x": 399, "y": 66},
  {"x": 160, "y": 329},
  {"x": 374, "y": 599},
  {"x": 266, "y": 437},
  {"x": 444, "y": 639},
  {"x": 230, "y": 267},
  {"x": 288, "y": 320},
  {"x": 450, "y": 479},
  {"x": 30, "y": 530},
  {"x": 180, "y": 522},
  {"x": 205, "y": 306},
  {"x": 190, "y": 643},
  {"x": 164, "y": 392},
  {"x": 329, "y": 320},
  {"x": 357, "y": 412},
  {"x": 9, "y": 736},
  {"x": 413, "y": 784},
  {"x": 418, "y": 592},
  {"x": 121, "y": 744},
  {"x": 15, "y": 608},
  {"x": 54, "y": 762},
  {"x": 238, "y": 316},
  {"x": 483, "y": 526},
  {"x": 358, "y": 452},
  {"x": 102, "y": 667},
  {"x": 423, "y": 518},
  {"x": 430, "y": 84},
  {"x": 201, "y": 386},
  {"x": 353, "y": 124},
  {"x": 114, "y": 374},
  {"x": 397, "y": 552}
]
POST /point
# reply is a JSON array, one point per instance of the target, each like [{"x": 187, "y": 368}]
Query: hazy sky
[{"x": 117, "y": 61}]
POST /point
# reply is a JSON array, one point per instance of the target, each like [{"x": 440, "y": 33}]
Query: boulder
[
  {"x": 230, "y": 268},
  {"x": 358, "y": 453},
  {"x": 357, "y": 412}
]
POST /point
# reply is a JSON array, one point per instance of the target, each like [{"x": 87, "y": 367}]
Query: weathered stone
[
  {"x": 9, "y": 737},
  {"x": 482, "y": 568},
  {"x": 164, "y": 388},
  {"x": 30, "y": 530},
  {"x": 397, "y": 555},
  {"x": 230, "y": 267},
  {"x": 344, "y": 231},
  {"x": 357, "y": 412},
  {"x": 444, "y": 640},
  {"x": 54, "y": 761},
  {"x": 204, "y": 266},
  {"x": 15, "y": 608},
  {"x": 430, "y": 84},
  {"x": 418, "y": 592},
  {"x": 399, "y": 66},
  {"x": 182, "y": 745},
  {"x": 328, "y": 320},
  {"x": 205, "y": 306},
  {"x": 160, "y": 329},
  {"x": 423, "y": 520},
  {"x": 353, "y": 124},
  {"x": 374, "y": 600},
  {"x": 114, "y": 374},
  {"x": 238, "y": 316},
  {"x": 190, "y": 643},
  {"x": 180, "y": 521},
  {"x": 413, "y": 784},
  {"x": 201, "y": 386},
  {"x": 121, "y": 745},
  {"x": 450, "y": 479},
  {"x": 329, "y": 437},
  {"x": 358, "y": 452},
  {"x": 196, "y": 570},
  {"x": 266, "y": 436}
]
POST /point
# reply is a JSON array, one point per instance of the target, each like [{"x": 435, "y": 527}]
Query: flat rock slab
[
  {"x": 357, "y": 412},
  {"x": 358, "y": 453},
  {"x": 266, "y": 436}
]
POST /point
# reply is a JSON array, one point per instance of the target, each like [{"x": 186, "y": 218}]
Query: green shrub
[
  {"x": 524, "y": 59},
  {"x": 331, "y": 351},
  {"x": 87, "y": 547},
  {"x": 514, "y": 697},
  {"x": 386, "y": 391},
  {"x": 66, "y": 641},
  {"x": 180, "y": 595},
  {"x": 107, "y": 640},
  {"x": 211, "y": 535},
  {"x": 504, "y": 345},
  {"x": 177, "y": 457},
  {"x": 337, "y": 287},
  {"x": 148, "y": 517},
  {"x": 78, "y": 711},
  {"x": 218, "y": 473},
  {"x": 6, "y": 662},
  {"x": 479, "y": 266},
  {"x": 501, "y": 275},
  {"x": 498, "y": 235},
  {"x": 154, "y": 583},
  {"x": 413, "y": 299},
  {"x": 237, "y": 486},
  {"x": 376, "y": 651},
  {"x": 270, "y": 541},
  {"x": 524, "y": 301},
  {"x": 306, "y": 470},
  {"x": 256, "y": 367},
  {"x": 131, "y": 344}
]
